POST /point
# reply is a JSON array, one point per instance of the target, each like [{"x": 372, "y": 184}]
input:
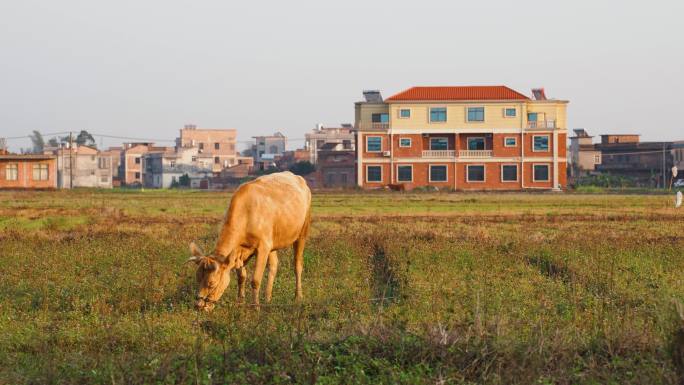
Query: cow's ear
[{"x": 195, "y": 250}]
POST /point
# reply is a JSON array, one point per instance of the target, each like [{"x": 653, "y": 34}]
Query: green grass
[{"x": 399, "y": 288}]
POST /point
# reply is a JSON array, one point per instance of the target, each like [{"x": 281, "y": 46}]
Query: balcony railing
[
  {"x": 439, "y": 153},
  {"x": 475, "y": 153},
  {"x": 541, "y": 124},
  {"x": 372, "y": 126}
]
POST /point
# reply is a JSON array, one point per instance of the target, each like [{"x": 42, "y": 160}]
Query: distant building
[
  {"x": 219, "y": 144},
  {"x": 164, "y": 169},
  {"x": 29, "y": 171},
  {"x": 267, "y": 149},
  {"x": 320, "y": 136},
  {"x": 115, "y": 154},
  {"x": 131, "y": 168},
  {"x": 289, "y": 158},
  {"x": 678, "y": 157},
  {"x": 583, "y": 156},
  {"x": 83, "y": 166},
  {"x": 336, "y": 166},
  {"x": 648, "y": 163}
]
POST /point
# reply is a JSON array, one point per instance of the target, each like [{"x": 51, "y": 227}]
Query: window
[
  {"x": 597, "y": 159},
  {"x": 217, "y": 146},
  {"x": 172, "y": 163},
  {"x": 476, "y": 114},
  {"x": 510, "y": 112},
  {"x": 438, "y": 114},
  {"x": 541, "y": 173},
  {"x": 194, "y": 159},
  {"x": 217, "y": 160},
  {"x": 40, "y": 172},
  {"x": 373, "y": 173},
  {"x": 531, "y": 116},
  {"x": 405, "y": 173},
  {"x": 476, "y": 173},
  {"x": 404, "y": 113},
  {"x": 104, "y": 179},
  {"x": 380, "y": 118},
  {"x": 438, "y": 173},
  {"x": 137, "y": 175},
  {"x": 509, "y": 173},
  {"x": 346, "y": 144},
  {"x": 439, "y": 144},
  {"x": 137, "y": 160},
  {"x": 404, "y": 142},
  {"x": 510, "y": 141},
  {"x": 201, "y": 146},
  {"x": 343, "y": 178},
  {"x": 540, "y": 143},
  {"x": 12, "y": 171},
  {"x": 476, "y": 143},
  {"x": 373, "y": 143}
]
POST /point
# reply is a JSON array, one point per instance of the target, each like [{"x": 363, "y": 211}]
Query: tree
[
  {"x": 84, "y": 138},
  {"x": 38, "y": 142},
  {"x": 184, "y": 180},
  {"x": 302, "y": 168},
  {"x": 53, "y": 142}
]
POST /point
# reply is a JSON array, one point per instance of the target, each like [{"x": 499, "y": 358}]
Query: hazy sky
[{"x": 144, "y": 68}]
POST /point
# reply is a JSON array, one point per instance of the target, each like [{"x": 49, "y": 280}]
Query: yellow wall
[
  {"x": 494, "y": 114},
  {"x": 364, "y": 111}
]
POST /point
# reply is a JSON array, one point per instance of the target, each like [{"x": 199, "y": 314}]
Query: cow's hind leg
[
  {"x": 299, "y": 267},
  {"x": 241, "y": 279},
  {"x": 272, "y": 271},
  {"x": 260, "y": 266}
]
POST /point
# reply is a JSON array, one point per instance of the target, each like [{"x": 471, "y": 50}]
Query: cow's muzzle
[{"x": 204, "y": 303}]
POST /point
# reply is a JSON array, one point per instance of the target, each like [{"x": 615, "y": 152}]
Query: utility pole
[
  {"x": 71, "y": 163},
  {"x": 3, "y": 145},
  {"x": 664, "y": 175}
]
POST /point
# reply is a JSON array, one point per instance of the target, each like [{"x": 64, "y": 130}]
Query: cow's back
[{"x": 274, "y": 207}]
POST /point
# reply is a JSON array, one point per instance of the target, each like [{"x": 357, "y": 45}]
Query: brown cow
[{"x": 267, "y": 214}]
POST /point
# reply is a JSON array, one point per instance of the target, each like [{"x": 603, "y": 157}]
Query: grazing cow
[{"x": 267, "y": 214}]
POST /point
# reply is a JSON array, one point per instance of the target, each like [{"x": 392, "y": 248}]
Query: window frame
[
  {"x": 446, "y": 114},
  {"x": 446, "y": 173},
  {"x": 381, "y": 114},
  {"x": 15, "y": 169},
  {"x": 484, "y": 142},
  {"x": 401, "y": 110},
  {"x": 505, "y": 112},
  {"x": 548, "y": 142},
  {"x": 439, "y": 137},
  {"x": 484, "y": 173},
  {"x": 410, "y": 142},
  {"x": 40, "y": 167},
  {"x": 381, "y": 173},
  {"x": 515, "y": 140},
  {"x": 468, "y": 114},
  {"x": 217, "y": 145},
  {"x": 548, "y": 172},
  {"x": 374, "y": 136},
  {"x": 517, "y": 173},
  {"x": 404, "y": 165}
]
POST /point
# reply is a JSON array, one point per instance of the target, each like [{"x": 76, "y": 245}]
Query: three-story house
[{"x": 461, "y": 138}]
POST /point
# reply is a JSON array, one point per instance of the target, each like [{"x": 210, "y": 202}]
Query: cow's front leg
[
  {"x": 241, "y": 279},
  {"x": 260, "y": 266}
]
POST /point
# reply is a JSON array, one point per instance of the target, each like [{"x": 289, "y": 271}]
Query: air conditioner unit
[{"x": 385, "y": 153}]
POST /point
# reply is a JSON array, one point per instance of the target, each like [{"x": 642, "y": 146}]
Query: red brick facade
[{"x": 28, "y": 171}]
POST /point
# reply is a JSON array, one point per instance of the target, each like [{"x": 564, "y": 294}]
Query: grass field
[{"x": 399, "y": 288}]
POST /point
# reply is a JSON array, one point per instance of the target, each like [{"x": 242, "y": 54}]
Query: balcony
[
  {"x": 439, "y": 153},
  {"x": 475, "y": 153},
  {"x": 541, "y": 124}
]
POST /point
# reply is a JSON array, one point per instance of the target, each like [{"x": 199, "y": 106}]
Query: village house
[
  {"x": 321, "y": 136},
  {"x": 268, "y": 149},
  {"x": 131, "y": 168},
  {"x": 218, "y": 144},
  {"x": 165, "y": 169},
  {"x": 461, "y": 138},
  {"x": 83, "y": 166},
  {"x": 336, "y": 166},
  {"x": 583, "y": 156},
  {"x": 114, "y": 154},
  {"x": 28, "y": 171}
]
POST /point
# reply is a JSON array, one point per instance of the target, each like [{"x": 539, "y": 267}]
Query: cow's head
[{"x": 213, "y": 277}]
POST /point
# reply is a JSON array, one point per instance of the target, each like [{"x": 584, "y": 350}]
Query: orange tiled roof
[{"x": 459, "y": 93}]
